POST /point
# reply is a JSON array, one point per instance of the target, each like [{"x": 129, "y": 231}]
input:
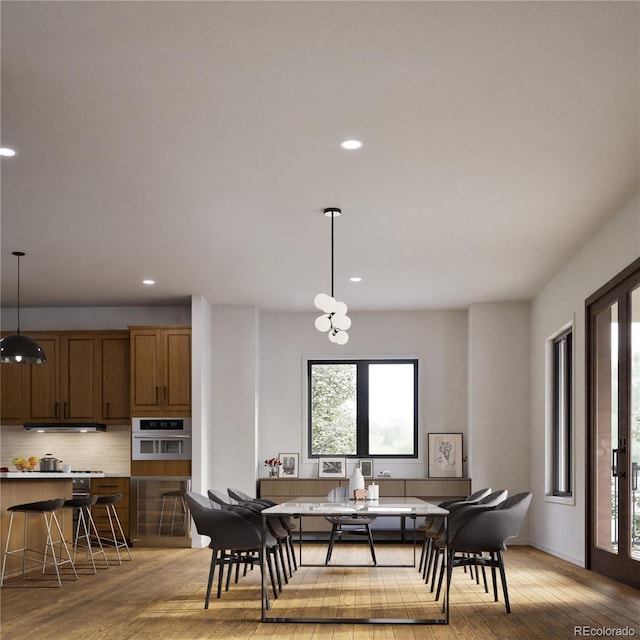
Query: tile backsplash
[{"x": 109, "y": 451}]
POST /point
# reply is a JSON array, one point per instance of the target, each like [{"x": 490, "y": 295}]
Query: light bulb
[
  {"x": 342, "y": 337},
  {"x": 341, "y": 309},
  {"x": 320, "y": 300},
  {"x": 341, "y": 322},
  {"x": 323, "y": 323}
]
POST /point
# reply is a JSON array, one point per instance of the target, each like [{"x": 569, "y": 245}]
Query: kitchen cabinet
[
  {"x": 107, "y": 487},
  {"x": 161, "y": 371},
  {"x": 114, "y": 374},
  {"x": 11, "y": 392},
  {"x": 84, "y": 379}
]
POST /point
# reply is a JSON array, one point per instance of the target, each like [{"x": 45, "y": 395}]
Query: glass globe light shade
[
  {"x": 341, "y": 309},
  {"x": 341, "y": 322},
  {"x": 325, "y": 303},
  {"x": 323, "y": 323},
  {"x": 332, "y": 337},
  {"x": 342, "y": 337}
]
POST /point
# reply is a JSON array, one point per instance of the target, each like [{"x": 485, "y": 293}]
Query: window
[
  {"x": 363, "y": 408},
  {"x": 562, "y": 415}
]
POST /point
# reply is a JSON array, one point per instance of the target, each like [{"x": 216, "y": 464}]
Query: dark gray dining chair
[
  {"x": 287, "y": 522},
  {"x": 273, "y": 525},
  {"x": 348, "y": 525},
  {"x": 429, "y": 525},
  {"x": 236, "y": 538},
  {"x": 437, "y": 530},
  {"x": 477, "y": 532}
]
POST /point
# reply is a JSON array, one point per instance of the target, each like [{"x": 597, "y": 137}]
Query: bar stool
[
  {"x": 85, "y": 528},
  {"x": 117, "y": 539},
  {"x": 47, "y": 509},
  {"x": 178, "y": 498}
]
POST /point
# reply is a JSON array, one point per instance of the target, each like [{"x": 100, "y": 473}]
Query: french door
[{"x": 613, "y": 428}]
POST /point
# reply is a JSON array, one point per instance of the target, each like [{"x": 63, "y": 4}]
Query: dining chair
[
  {"x": 235, "y": 538},
  {"x": 477, "y": 532},
  {"x": 430, "y": 520},
  {"x": 348, "y": 525},
  {"x": 436, "y": 532}
]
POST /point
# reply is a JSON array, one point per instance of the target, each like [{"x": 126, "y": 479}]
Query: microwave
[{"x": 161, "y": 439}]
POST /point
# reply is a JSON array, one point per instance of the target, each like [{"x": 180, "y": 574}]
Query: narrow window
[{"x": 562, "y": 415}]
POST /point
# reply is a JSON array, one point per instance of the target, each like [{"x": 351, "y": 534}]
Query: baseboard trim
[{"x": 559, "y": 554}]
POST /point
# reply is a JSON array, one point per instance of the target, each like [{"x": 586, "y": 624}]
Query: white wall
[
  {"x": 85, "y": 318},
  {"x": 560, "y": 528},
  {"x": 499, "y": 397},
  {"x": 438, "y": 338}
]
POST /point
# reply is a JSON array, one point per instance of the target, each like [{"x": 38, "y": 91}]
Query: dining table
[{"x": 406, "y": 508}]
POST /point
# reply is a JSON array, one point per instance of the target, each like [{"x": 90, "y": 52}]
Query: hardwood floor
[{"x": 159, "y": 595}]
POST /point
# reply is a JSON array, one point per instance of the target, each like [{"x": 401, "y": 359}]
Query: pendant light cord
[{"x": 332, "y": 217}]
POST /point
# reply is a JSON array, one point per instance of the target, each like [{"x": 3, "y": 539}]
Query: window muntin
[{"x": 363, "y": 408}]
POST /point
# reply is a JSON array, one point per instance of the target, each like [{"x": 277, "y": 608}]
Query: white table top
[{"x": 320, "y": 506}]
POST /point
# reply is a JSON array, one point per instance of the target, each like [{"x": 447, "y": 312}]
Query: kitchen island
[{"x": 20, "y": 487}]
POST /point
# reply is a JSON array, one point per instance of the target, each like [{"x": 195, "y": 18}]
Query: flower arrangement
[{"x": 273, "y": 464}]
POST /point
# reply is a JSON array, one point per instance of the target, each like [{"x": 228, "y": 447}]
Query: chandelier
[{"x": 334, "y": 318}]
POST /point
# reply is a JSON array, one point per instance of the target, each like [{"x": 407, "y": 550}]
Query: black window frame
[
  {"x": 362, "y": 406},
  {"x": 562, "y": 432}
]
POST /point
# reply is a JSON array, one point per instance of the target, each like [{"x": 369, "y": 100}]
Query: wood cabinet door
[
  {"x": 176, "y": 388},
  {"x": 115, "y": 402},
  {"x": 79, "y": 389},
  {"x": 11, "y": 390},
  {"x": 145, "y": 372},
  {"x": 41, "y": 383}
]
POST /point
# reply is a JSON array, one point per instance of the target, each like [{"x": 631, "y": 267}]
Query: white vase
[{"x": 356, "y": 481}]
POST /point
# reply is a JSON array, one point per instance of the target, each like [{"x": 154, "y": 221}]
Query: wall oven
[{"x": 161, "y": 439}]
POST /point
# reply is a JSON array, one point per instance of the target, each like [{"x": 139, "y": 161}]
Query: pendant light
[
  {"x": 334, "y": 319},
  {"x": 17, "y": 348}
]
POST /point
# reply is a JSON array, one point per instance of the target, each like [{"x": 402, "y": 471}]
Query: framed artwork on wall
[
  {"x": 445, "y": 455},
  {"x": 366, "y": 468},
  {"x": 289, "y": 466},
  {"x": 332, "y": 468}
]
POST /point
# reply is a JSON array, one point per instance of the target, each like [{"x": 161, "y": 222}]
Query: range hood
[{"x": 65, "y": 427}]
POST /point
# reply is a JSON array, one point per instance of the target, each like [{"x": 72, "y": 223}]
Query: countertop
[{"x": 35, "y": 475}]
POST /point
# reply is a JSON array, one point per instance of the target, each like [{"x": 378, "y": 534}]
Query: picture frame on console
[
  {"x": 332, "y": 468},
  {"x": 366, "y": 468},
  {"x": 445, "y": 455},
  {"x": 290, "y": 465}
]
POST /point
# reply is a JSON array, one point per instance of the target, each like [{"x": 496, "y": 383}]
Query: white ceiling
[{"x": 197, "y": 143}]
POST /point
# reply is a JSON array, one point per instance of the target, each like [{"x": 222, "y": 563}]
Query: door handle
[{"x": 616, "y": 472}]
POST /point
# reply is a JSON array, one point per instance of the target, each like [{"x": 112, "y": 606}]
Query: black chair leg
[
  {"x": 212, "y": 569},
  {"x": 373, "y": 551},
  {"x": 271, "y": 574},
  {"x": 332, "y": 539},
  {"x": 434, "y": 569},
  {"x": 503, "y": 577},
  {"x": 493, "y": 577}
]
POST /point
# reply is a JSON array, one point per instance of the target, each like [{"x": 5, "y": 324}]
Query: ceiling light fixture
[
  {"x": 335, "y": 319},
  {"x": 5, "y": 151},
  {"x": 351, "y": 145},
  {"x": 356, "y": 279},
  {"x": 148, "y": 282},
  {"x": 17, "y": 348}
]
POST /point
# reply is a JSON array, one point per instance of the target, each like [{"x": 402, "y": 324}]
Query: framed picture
[
  {"x": 445, "y": 455},
  {"x": 366, "y": 468},
  {"x": 332, "y": 468},
  {"x": 289, "y": 466}
]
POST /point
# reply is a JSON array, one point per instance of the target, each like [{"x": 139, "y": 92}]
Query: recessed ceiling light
[
  {"x": 356, "y": 279},
  {"x": 148, "y": 282},
  {"x": 4, "y": 151},
  {"x": 351, "y": 144}
]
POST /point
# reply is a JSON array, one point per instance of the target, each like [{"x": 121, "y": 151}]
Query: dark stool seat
[
  {"x": 178, "y": 499},
  {"x": 84, "y": 530},
  {"x": 117, "y": 539},
  {"x": 55, "y": 547}
]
